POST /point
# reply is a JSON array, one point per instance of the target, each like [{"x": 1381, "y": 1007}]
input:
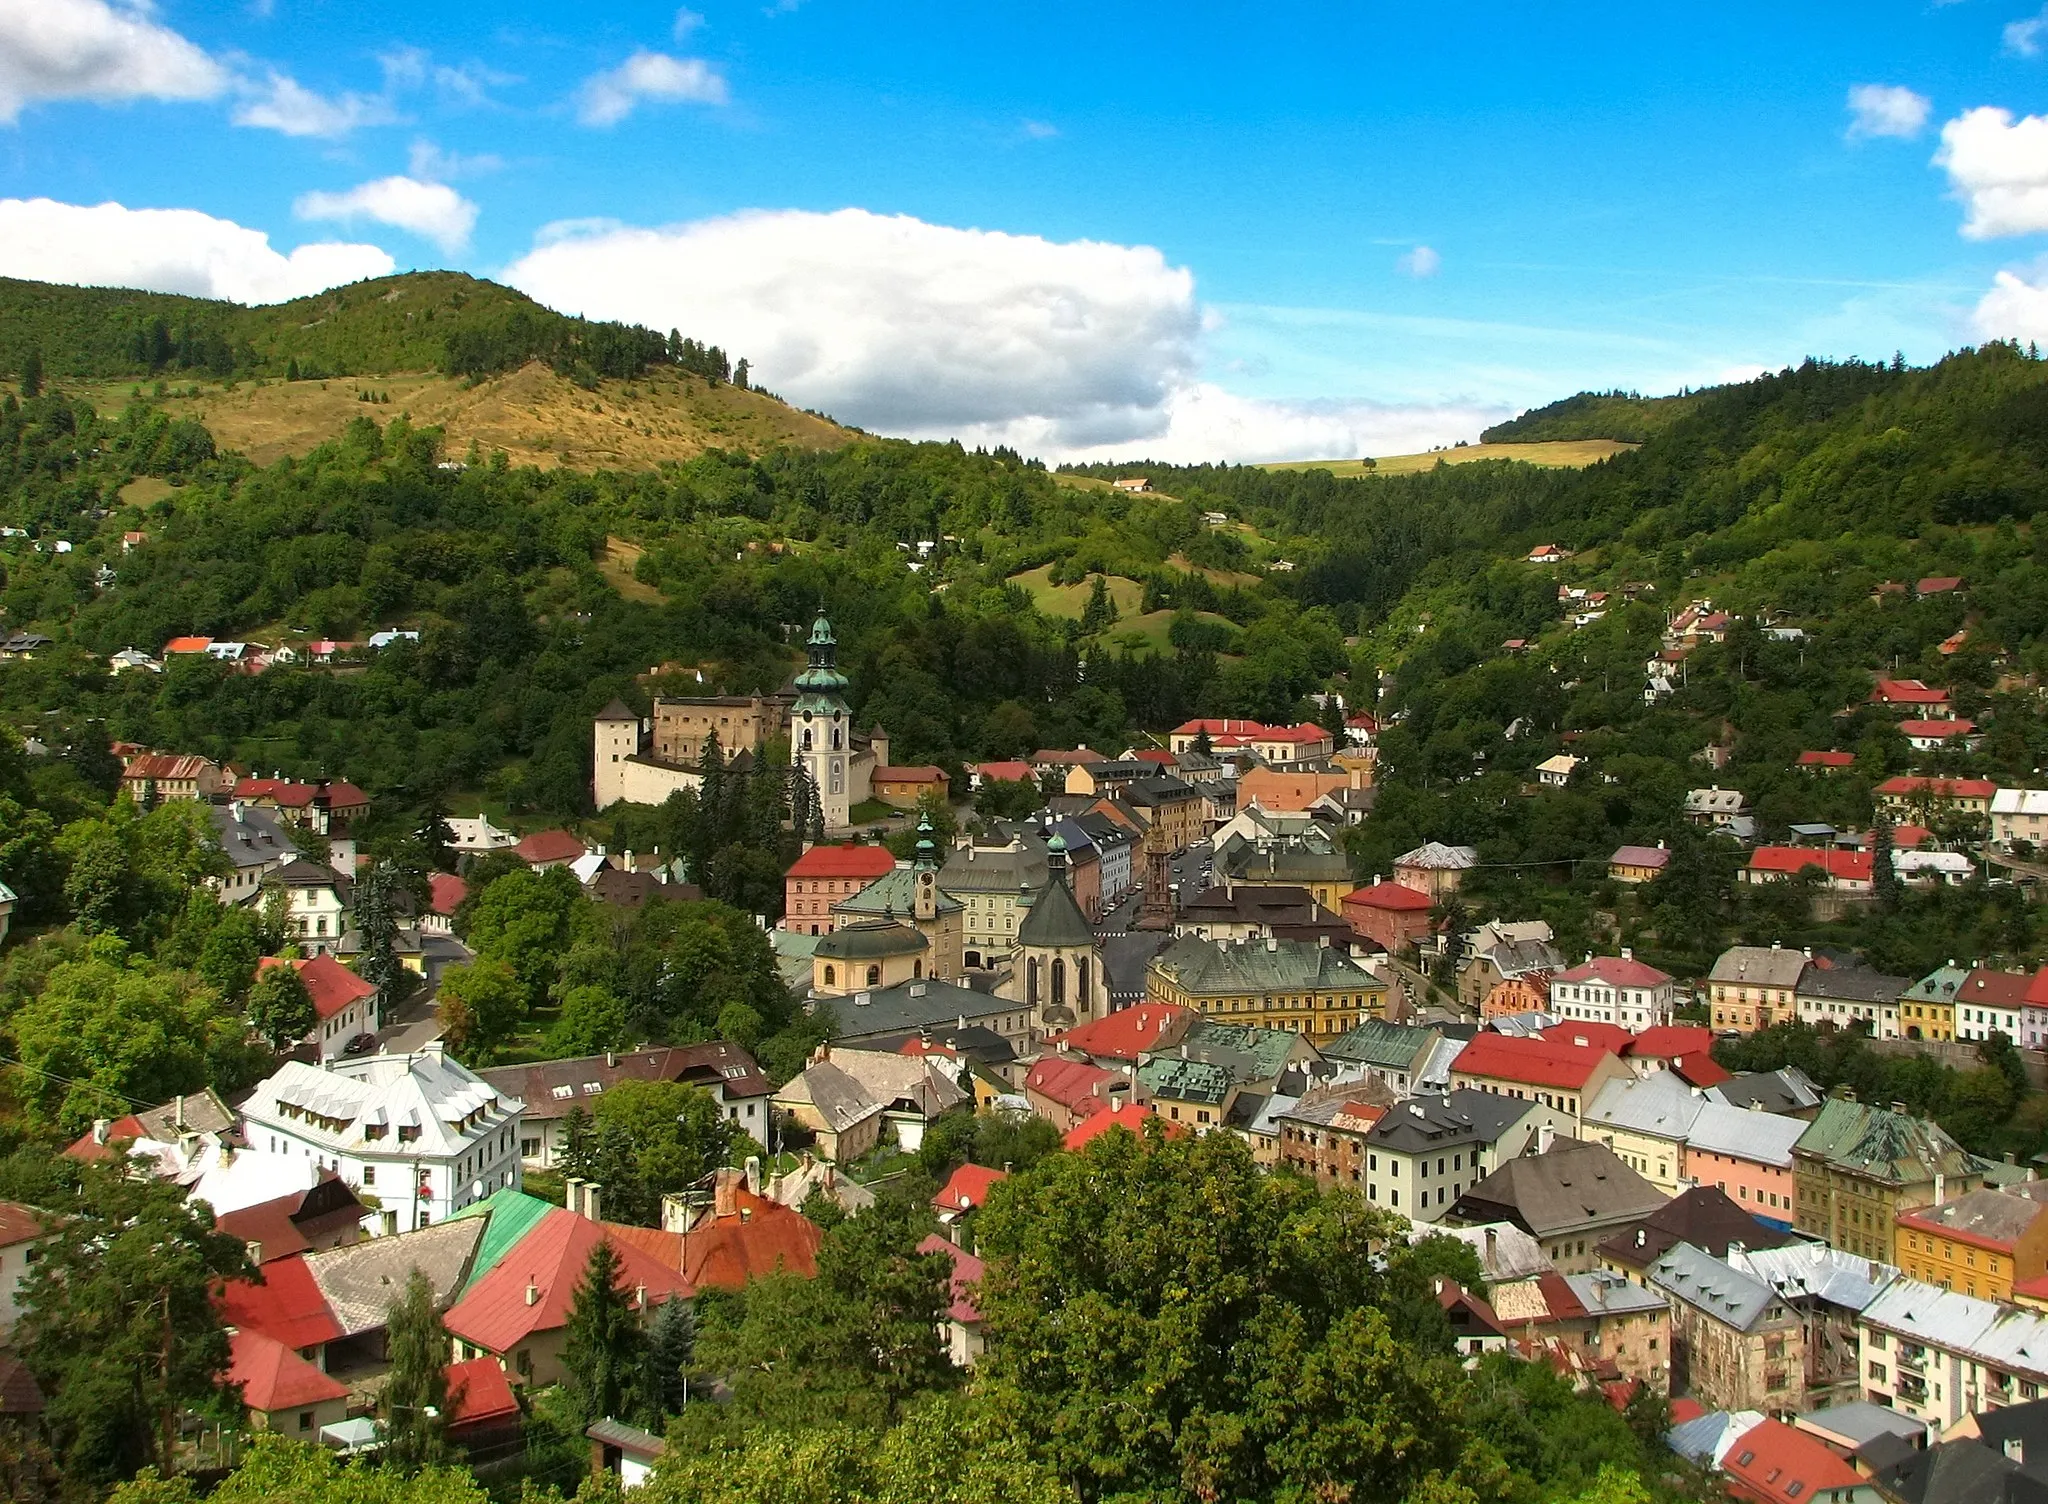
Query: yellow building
[
  {"x": 1980, "y": 1243},
  {"x": 868, "y": 954},
  {"x": 911, "y": 895},
  {"x": 1857, "y": 1167},
  {"x": 1308, "y": 989},
  {"x": 1927, "y": 1009},
  {"x": 1752, "y": 987}
]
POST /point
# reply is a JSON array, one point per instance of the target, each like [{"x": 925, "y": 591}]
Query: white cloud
[
  {"x": 1998, "y": 168},
  {"x": 2016, "y": 307},
  {"x": 1420, "y": 262},
  {"x": 88, "y": 49},
  {"x": 282, "y": 103},
  {"x": 2023, "y": 37},
  {"x": 609, "y": 97},
  {"x": 687, "y": 21},
  {"x": 1205, "y": 422},
  {"x": 169, "y": 250},
  {"x": 1887, "y": 110},
  {"x": 432, "y": 210},
  {"x": 1040, "y": 130},
  {"x": 430, "y": 163}
]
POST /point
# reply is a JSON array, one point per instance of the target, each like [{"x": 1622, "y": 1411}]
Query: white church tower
[{"x": 821, "y": 737}]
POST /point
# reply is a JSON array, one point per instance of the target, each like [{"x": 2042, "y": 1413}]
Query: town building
[
  {"x": 822, "y": 743},
  {"x": 1434, "y": 868},
  {"x": 903, "y": 787},
  {"x": 823, "y": 876},
  {"x": 1559, "y": 1074},
  {"x": 1316, "y": 990},
  {"x": 1703, "y": 1216},
  {"x": 1638, "y": 864},
  {"x": 1856, "y": 1167},
  {"x": 1397, "y": 1055},
  {"x": 909, "y": 893},
  {"x": 1992, "y": 1002},
  {"x": 1773, "y": 1463},
  {"x": 1923, "y": 798},
  {"x": 1982, "y": 1242},
  {"x": 1056, "y": 968},
  {"x": 1617, "y": 990},
  {"x": 1256, "y": 914},
  {"x": 255, "y": 844},
  {"x": 1753, "y": 987},
  {"x": 1313, "y": 863},
  {"x": 1422, "y": 1154},
  {"x": 421, "y": 1133},
  {"x": 1391, "y": 916},
  {"x": 284, "y": 1393},
  {"x": 1499, "y": 952},
  {"x": 1067, "y": 1090},
  {"x": 852, "y": 1100},
  {"x": 1568, "y": 1195},
  {"x": 150, "y": 778},
  {"x": 344, "y": 1005},
  {"x": 622, "y": 767},
  {"x": 553, "y": 1090},
  {"x": 1646, "y": 1121},
  {"x": 1736, "y": 1345},
  {"x": 996, "y": 886},
  {"x": 1836, "y": 871},
  {"x": 1829, "y": 1291},
  {"x": 1940, "y": 1355},
  {"x": 1600, "y": 1323},
  {"x": 2019, "y": 815},
  {"x": 1851, "y": 997},
  {"x": 1748, "y": 1154},
  {"x": 682, "y": 725},
  {"x": 1927, "y": 1009},
  {"x": 866, "y": 955},
  {"x": 1715, "y": 808}
]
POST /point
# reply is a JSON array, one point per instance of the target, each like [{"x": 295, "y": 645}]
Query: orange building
[{"x": 824, "y": 875}]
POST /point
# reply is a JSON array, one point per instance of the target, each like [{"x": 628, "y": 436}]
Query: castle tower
[
  {"x": 616, "y": 738},
  {"x": 1056, "y": 968},
  {"x": 924, "y": 871},
  {"x": 820, "y": 737}
]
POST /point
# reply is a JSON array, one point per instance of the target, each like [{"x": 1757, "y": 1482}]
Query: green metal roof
[
  {"x": 893, "y": 895},
  {"x": 1377, "y": 1042},
  {"x": 1883, "y": 1145},
  {"x": 1185, "y": 1080},
  {"x": 512, "y": 1215}
]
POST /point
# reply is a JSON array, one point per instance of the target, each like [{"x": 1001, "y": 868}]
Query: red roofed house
[
  {"x": 550, "y": 848},
  {"x": 1124, "y": 1035},
  {"x": 1599, "y": 1035},
  {"x": 1184, "y": 736},
  {"x": 343, "y": 1003},
  {"x": 1686, "y": 1048},
  {"x": 518, "y": 1312},
  {"x": 1929, "y": 736},
  {"x": 1015, "y": 770},
  {"x": 1638, "y": 864},
  {"x": 1827, "y": 762},
  {"x": 965, "y": 1190},
  {"x": 1938, "y": 584},
  {"x": 482, "y": 1410},
  {"x": 824, "y": 875},
  {"x": 1066, "y": 1090},
  {"x": 962, "y": 1326},
  {"x": 1910, "y": 694},
  {"x": 746, "y": 1235},
  {"x": 187, "y": 645},
  {"x": 1558, "y": 1074},
  {"x": 22, "y": 1231},
  {"x": 284, "y": 1392},
  {"x": 445, "y": 893},
  {"x": 901, "y": 788},
  {"x": 1617, "y": 990},
  {"x": 1772, "y": 1463},
  {"x": 168, "y": 775},
  {"x": 1841, "y": 871},
  {"x": 1394, "y": 916},
  {"x": 287, "y": 1305},
  {"x": 326, "y": 1215},
  {"x": 1129, "y": 1116},
  {"x": 1908, "y": 794}
]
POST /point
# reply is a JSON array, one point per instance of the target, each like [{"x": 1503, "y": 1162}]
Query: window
[
  {"x": 369, "y": 1174},
  {"x": 305, "y": 1420}
]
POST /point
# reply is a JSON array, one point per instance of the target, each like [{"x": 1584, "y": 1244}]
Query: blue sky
[{"x": 1314, "y": 229}]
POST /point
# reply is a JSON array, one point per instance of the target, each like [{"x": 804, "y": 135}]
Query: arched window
[
  {"x": 1059, "y": 982},
  {"x": 917, "y": 968},
  {"x": 836, "y": 745},
  {"x": 1031, "y": 982},
  {"x": 831, "y": 973},
  {"x": 1082, "y": 993},
  {"x": 874, "y": 976},
  {"x": 807, "y": 738}
]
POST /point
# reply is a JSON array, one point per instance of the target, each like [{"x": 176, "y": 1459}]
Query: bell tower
[
  {"x": 1056, "y": 968},
  {"x": 820, "y": 737},
  {"x": 924, "y": 871}
]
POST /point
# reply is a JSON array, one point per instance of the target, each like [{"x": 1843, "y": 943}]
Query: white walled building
[
  {"x": 1618, "y": 990},
  {"x": 418, "y": 1136},
  {"x": 2019, "y": 815},
  {"x": 1938, "y": 1356}
]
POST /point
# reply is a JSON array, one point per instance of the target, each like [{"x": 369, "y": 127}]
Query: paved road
[{"x": 412, "y": 1027}]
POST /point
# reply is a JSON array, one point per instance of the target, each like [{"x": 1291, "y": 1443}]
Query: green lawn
[{"x": 1072, "y": 600}]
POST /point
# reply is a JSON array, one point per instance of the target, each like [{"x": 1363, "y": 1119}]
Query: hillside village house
[
  {"x": 1856, "y": 1167},
  {"x": 316, "y": 903},
  {"x": 1315, "y": 990},
  {"x": 1939, "y": 1355},
  {"x": 423, "y": 1133},
  {"x": 1617, "y": 990},
  {"x": 1736, "y": 1344},
  {"x": 1422, "y": 1154},
  {"x": 1393, "y": 917},
  {"x": 2019, "y": 815},
  {"x": 170, "y": 775},
  {"x": 1910, "y": 795},
  {"x": 1638, "y": 864},
  {"x": 1982, "y": 1243},
  {"x": 554, "y": 1089},
  {"x": 1715, "y": 807},
  {"x": 1927, "y": 1009},
  {"x": 344, "y": 1005},
  {"x": 901, "y": 788},
  {"x": 1752, "y": 987},
  {"x": 1847, "y": 997},
  {"x": 1992, "y": 1002}
]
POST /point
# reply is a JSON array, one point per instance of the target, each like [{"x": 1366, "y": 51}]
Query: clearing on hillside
[
  {"x": 534, "y": 415},
  {"x": 1072, "y": 600},
  {"x": 1557, "y": 454}
]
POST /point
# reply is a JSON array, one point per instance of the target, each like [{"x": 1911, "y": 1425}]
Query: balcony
[{"x": 1912, "y": 1358}]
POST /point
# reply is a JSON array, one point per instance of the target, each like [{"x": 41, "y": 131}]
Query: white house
[
  {"x": 316, "y": 915},
  {"x": 2019, "y": 815},
  {"x": 1556, "y": 772},
  {"x": 1618, "y": 990},
  {"x": 255, "y": 846},
  {"x": 22, "y": 1234},
  {"x": 417, "y": 1136}
]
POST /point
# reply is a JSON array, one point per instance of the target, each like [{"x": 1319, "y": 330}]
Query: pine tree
[
  {"x": 604, "y": 1352},
  {"x": 291, "y": 370},
  {"x": 1884, "y": 877},
  {"x": 415, "y": 1401},
  {"x": 32, "y": 373},
  {"x": 671, "y": 1351},
  {"x": 739, "y": 375},
  {"x": 1100, "y": 612},
  {"x": 377, "y": 921}
]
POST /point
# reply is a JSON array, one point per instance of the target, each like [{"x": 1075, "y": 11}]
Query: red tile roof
[
  {"x": 967, "y": 1188},
  {"x": 1907, "y": 692},
  {"x": 89, "y": 1149},
  {"x": 761, "y": 1238},
  {"x": 446, "y": 892},
  {"x": 1157, "y": 756},
  {"x": 1073, "y": 1082},
  {"x": 1616, "y": 971},
  {"x": 19, "y": 1224},
  {"x": 1685, "y": 1408},
  {"x": 1774, "y": 1462},
  {"x": 1938, "y": 788},
  {"x": 1938, "y": 730},
  {"x": 1827, "y": 759},
  {"x": 287, "y": 1305},
  {"x": 916, "y": 773},
  {"x": 967, "y": 1274},
  {"x": 1937, "y": 584},
  {"x": 869, "y": 862},
  {"x": 1842, "y": 866},
  {"x": 188, "y": 644},
  {"x": 478, "y": 1394},
  {"x": 1011, "y": 771},
  {"x": 1610, "y": 1037},
  {"x": 276, "y": 1230},
  {"x": 1130, "y": 1117},
  {"x": 1219, "y": 728},
  {"x": 2037, "y": 990},
  {"x": 1128, "y": 1032},
  {"x": 1668, "y": 1041},
  {"x": 495, "y": 1313},
  {"x": 1701, "y": 1070},
  {"x": 550, "y": 846},
  {"x": 1389, "y": 896},
  {"x": 273, "y": 1377},
  {"x": 1532, "y": 1062},
  {"x": 1995, "y": 989},
  {"x": 331, "y": 985}
]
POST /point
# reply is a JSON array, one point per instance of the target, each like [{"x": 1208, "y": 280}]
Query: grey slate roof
[
  {"x": 1758, "y": 966},
  {"x": 1786, "y": 1090},
  {"x": 1056, "y": 920},
  {"x": 1860, "y": 1421},
  {"x": 869, "y": 940},
  {"x": 256, "y": 839},
  {"x": 360, "y": 1282},
  {"x": 910, "y": 1006},
  {"x": 1661, "y": 1105},
  {"x": 1574, "y": 1185},
  {"x": 1703, "y": 1282},
  {"x": 1991, "y": 1214},
  {"x": 1464, "y": 1116},
  {"x": 1762, "y": 1137},
  {"x": 1802, "y": 1271},
  {"x": 1852, "y": 984}
]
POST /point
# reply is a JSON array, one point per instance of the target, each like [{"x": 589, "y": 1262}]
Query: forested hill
[
  {"x": 1624, "y": 416},
  {"x": 417, "y": 321}
]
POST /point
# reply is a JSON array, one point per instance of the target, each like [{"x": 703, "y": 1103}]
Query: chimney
[
  {"x": 532, "y": 1292},
  {"x": 754, "y": 1174},
  {"x": 572, "y": 1193},
  {"x": 256, "y": 1253},
  {"x": 99, "y": 1129},
  {"x": 590, "y": 1200},
  {"x": 1492, "y": 1243},
  {"x": 1627, "y": 954},
  {"x": 1940, "y": 1187},
  {"x": 2015, "y": 1449},
  {"x": 1546, "y": 1134},
  {"x": 1642, "y": 1236},
  {"x": 640, "y": 1296},
  {"x": 723, "y": 1200}
]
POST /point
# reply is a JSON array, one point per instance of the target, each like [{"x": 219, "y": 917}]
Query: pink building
[{"x": 1746, "y": 1153}]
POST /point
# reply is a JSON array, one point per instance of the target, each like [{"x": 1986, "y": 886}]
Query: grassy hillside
[
  {"x": 535, "y": 415},
  {"x": 1620, "y": 416},
  {"x": 1556, "y": 453},
  {"x": 417, "y": 321}
]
